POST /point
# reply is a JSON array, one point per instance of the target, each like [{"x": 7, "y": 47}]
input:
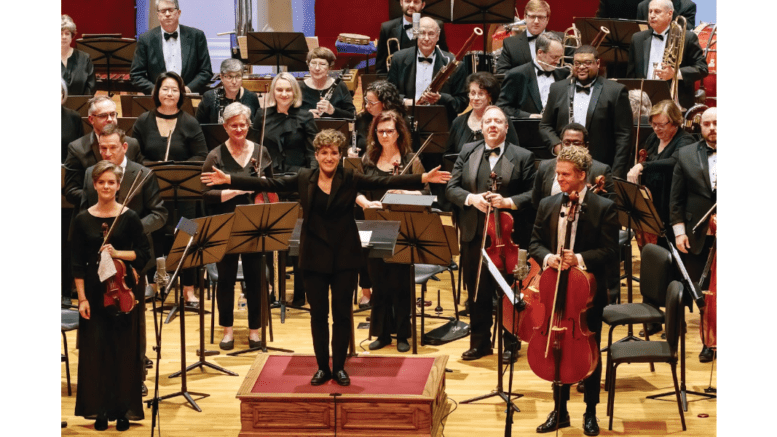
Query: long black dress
[{"x": 110, "y": 371}]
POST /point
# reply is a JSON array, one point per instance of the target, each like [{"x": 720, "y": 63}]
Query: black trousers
[
  {"x": 390, "y": 299},
  {"x": 317, "y": 286},
  {"x": 592, "y": 384},
  {"x": 225, "y": 292}
]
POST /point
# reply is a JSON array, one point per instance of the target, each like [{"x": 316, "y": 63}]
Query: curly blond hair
[
  {"x": 578, "y": 156},
  {"x": 328, "y": 137}
]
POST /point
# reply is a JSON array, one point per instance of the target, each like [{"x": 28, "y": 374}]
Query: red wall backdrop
[
  {"x": 102, "y": 16},
  {"x": 354, "y": 16}
]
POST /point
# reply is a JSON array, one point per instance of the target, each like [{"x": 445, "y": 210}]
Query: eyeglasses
[
  {"x": 232, "y": 77},
  {"x": 532, "y": 17},
  {"x": 480, "y": 94},
  {"x": 368, "y": 103},
  {"x": 385, "y": 132},
  {"x": 166, "y": 11},
  {"x": 113, "y": 114},
  {"x": 660, "y": 125},
  {"x": 573, "y": 143},
  {"x": 586, "y": 63},
  {"x": 322, "y": 64}
]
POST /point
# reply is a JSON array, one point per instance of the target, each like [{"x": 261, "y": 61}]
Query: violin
[
  {"x": 117, "y": 293},
  {"x": 709, "y": 317},
  {"x": 571, "y": 291},
  {"x": 531, "y": 312},
  {"x": 263, "y": 197},
  {"x": 598, "y": 185}
]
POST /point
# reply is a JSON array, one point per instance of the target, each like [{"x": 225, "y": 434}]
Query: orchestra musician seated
[
  {"x": 317, "y": 87},
  {"x": 213, "y": 103},
  {"x": 77, "y": 68},
  {"x": 379, "y": 96}
]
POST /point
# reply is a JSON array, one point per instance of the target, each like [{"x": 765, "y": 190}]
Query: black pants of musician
[
  {"x": 317, "y": 286},
  {"x": 67, "y": 275},
  {"x": 481, "y": 310},
  {"x": 592, "y": 384},
  {"x": 225, "y": 292},
  {"x": 390, "y": 299}
]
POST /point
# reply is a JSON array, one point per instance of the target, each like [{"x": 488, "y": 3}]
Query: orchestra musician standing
[
  {"x": 686, "y": 8},
  {"x": 330, "y": 250},
  {"x": 594, "y": 240},
  {"x": 693, "y": 193},
  {"x": 379, "y": 96},
  {"x": 521, "y": 49},
  {"x": 76, "y": 69},
  {"x": 470, "y": 191},
  {"x": 320, "y": 60},
  {"x": 402, "y": 29}
]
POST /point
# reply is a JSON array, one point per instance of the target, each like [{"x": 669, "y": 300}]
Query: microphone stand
[
  {"x": 520, "y": 273},
  {"x": 413, "y": 123}
]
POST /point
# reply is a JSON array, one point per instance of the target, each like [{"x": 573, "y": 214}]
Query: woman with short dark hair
[
  {"x": 320, "y": 60},
  {"x": 211, "y": 107},
  {"x": 76, "y": 67}
]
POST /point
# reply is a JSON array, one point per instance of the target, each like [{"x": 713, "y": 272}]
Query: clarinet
[{"x": 221, "y": 96}]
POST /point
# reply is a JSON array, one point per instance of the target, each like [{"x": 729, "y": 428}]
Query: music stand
[
  {"x": 433, "y": 120},
  {"x": 263, "y": 228},
  {"x": 209, "y": 246},
  {"x": 422, "y": 240},
  {"x": 656, "y": 90},
  {"x": 614, "y": 50},
  {"x": 483, "y": 12},
  {"x": 354, "y": 163},
  {"x": 502, "y": 286},
  {"x": 215, "y": 135},
  {"x": 177, "y": 181},
  {"x": 528, "y": 130},
  {"x": 368, "y": 78},
  {"x": 108, "y": 51},
  {"x": 338, "y": 124},
  {"x": 80, "y": 104},
  {"x": 277, "y": 48}
]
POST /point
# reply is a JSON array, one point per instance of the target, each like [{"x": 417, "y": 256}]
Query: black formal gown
[
  {"x": 110, "y": 370},
  {"x": 79, "y": 74},
  {"x": 341, "y": 100}
]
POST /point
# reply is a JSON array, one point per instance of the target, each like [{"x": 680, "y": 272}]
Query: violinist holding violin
[
  {"x": 593, "y": 245},
  {"x": 109, "y": 371},
  {"x": 470, "y": 191}
]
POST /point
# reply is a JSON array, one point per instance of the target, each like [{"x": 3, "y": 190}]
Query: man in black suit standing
[
  {"x": 646, "y": 54},
  {"x": 525, "y": 88},
  {"x": 147, "y": 203},
  {"x": 452, "y": 95},
  {"x": 625, "y": 9},
  {"x": 520, "y": 49},
  {"x": 686, "y": 8},
  {"x": 594, "y": 239},
  {"x": 693, "y": 193},
  {"x": 470, "y": 191},
  {"x": 402, "y": 29},
  {"x": 601, "y": 105},
  {"x": 171, "y": 47}
]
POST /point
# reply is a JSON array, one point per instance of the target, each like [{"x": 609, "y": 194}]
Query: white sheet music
[{"x": 365, "y": 237}]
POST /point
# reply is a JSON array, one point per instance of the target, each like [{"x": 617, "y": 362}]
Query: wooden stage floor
[{"x": 634, "y": 415}]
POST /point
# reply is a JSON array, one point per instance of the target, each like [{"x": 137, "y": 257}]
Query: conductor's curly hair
[
  {"x": 329, "y": 137},
  {"x": 578, "y": 156}
]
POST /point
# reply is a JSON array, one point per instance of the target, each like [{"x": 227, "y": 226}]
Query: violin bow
[
  {"x": 132, "y": 191},
  {"x": 169, "y": 140},
  {"x": 483, "y": 243},
  {"x": 410, "y": 163}
]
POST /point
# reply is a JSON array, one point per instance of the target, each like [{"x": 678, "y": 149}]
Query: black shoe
[
  {"x": 590, "y": 426},
  {"x": 379, "y": 344},
  {"x": 298, "y": 302},
  {"x": 508, "y": 357},
  {"x": 227, "y": 345},
  {"x": 195, "y": 304},
  {"x": 342, "y": 378},
  {"x": 426, "y": 303},
  {"x": 474, "y": 354},
  {"x": 653, "y": 329},
  {"x": 366, "y": 305},
  {"x": 320, "y": 377},
  {"x": 149, "y": 363},
  {"x": 274, "y": 303},
  {"x": 144, "y": 390},
  {"x": 403, "y": 345},
  {"x": 550, "y": 423},
  {"x": 101, "y": 424},
  {"x": 122, "y": 424},
  {"x": 580, "y": 387},
  {"x": 254, "y": 344},
  {"x": 706, "y": 355},
  {"x": 66, "y": 302}
]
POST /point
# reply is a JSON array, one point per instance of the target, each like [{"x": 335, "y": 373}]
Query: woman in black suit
[
  {"x": 330, "y": 249},
  {"x": 76, "y": 67},
  {"x": 213, "y": 103}
]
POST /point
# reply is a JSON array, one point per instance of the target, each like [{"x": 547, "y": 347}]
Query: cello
[
  {"x": 571, "y": 291},
  {"x": 709, "y": 319}
]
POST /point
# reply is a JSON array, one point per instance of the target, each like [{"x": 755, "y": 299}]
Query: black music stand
[
  {"x": 528, "y": 130},
  {"x": 483, "y": 12},
  {"x": 422, "y": 240},
  {"x": 177, "y": 181},
  {"x": 656, "y": 89},
  {"x": 263, "y": 228},
  {"x": 80, "y": 104},
  {"x": 277, "y": 48},
  {"x": 338, "y": 124},
  {"x": 614, "y": 50},
  {"x": 215, "y": 135},
  {"x": 636, "y": 212},
  {"x": 368, "y": 78},
  {"x": 430, "y": 120},
  {"x": 209, "y": 246},
  {"x": 353, "y": 163},
  {"x": 507, "y": 291},
  {"x": 437, "y": 9},
  {"x": 108, "y": 51}
]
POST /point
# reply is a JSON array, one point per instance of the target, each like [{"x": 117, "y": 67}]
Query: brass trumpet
[{"x": 391, "y": 52}]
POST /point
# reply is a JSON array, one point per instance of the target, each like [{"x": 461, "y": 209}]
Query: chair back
[
  {"x": 675, "y": 315},
  {"x": 656, "y": 273}
]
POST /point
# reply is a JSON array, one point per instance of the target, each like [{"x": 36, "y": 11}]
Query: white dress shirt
[
  {"x": 171, "y": 49},
  {"x": 582, "y": 99},
  {"x": 656, "y": 52},
  {"x": 423, "y": 77},
  {"x": 562, "y": 230},
  {"x": 543, "y": 83}
]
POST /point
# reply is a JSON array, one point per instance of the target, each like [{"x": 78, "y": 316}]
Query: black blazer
[
  {"x": 515, "y": 166},
  {"x": 520, "y": 95},
  {"x": 546, "y": 174},
  {"x": 693, "y": 66},
  {"x": 692, "y": 196},
  {"x": 149, "y": 60},
  {"x": 609, "y": 122},
  {"x": 289, "y": 138},
  {"x": 461, "y": 134},
  {"x": 596, "y": 238},
  {"x": 72, "y": 129},
  {"x": 454, "y": 95},
  {"x": 686, "y": 8},
  {"x": 516, "y": 52},
  {"x": 79, "y": 74},
  {"x": 341, "y": 100},
  {"x": 393, "y": 29},
  {"x": 626, "y": 9},
  {"x": 318, "y": 243},
  {"x": 208, "y": 109}
]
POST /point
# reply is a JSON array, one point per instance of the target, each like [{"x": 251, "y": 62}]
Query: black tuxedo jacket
[
  {"x": 686, "y": 8},
  {"x": 453, "y": 94},
  {"x": 520, "y": 95},
  {"x": 393, "y": 29},
  {"x": 546, "y": 173},
  {"x": 693, "y": 65},
  {"x": 691, "y": 195},
  {"x": 626, "y": 9},
  {"x": 336, "y": 233},
  {"x": 608, "y": 122},
  {"x": 516, "y": 52},
  {"x": 596, "y": 238},
  {"x": 149, "y": 60},
  {"x": 515, "y": 166}
]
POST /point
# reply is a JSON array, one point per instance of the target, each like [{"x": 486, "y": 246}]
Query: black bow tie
[
  {"x": 583, "y": 88},
  {"x": 711, "y": 151},
  {"x": 171, "y": 35},
  {"x": 491, "y": 152},
  {"x": 655, "y": 35},
  {"x": 531, "y": 38},
  {"x": 407, "y": 26},
  {"x": 422, "y": 59},
  {"x": 541, "y": 72}
]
